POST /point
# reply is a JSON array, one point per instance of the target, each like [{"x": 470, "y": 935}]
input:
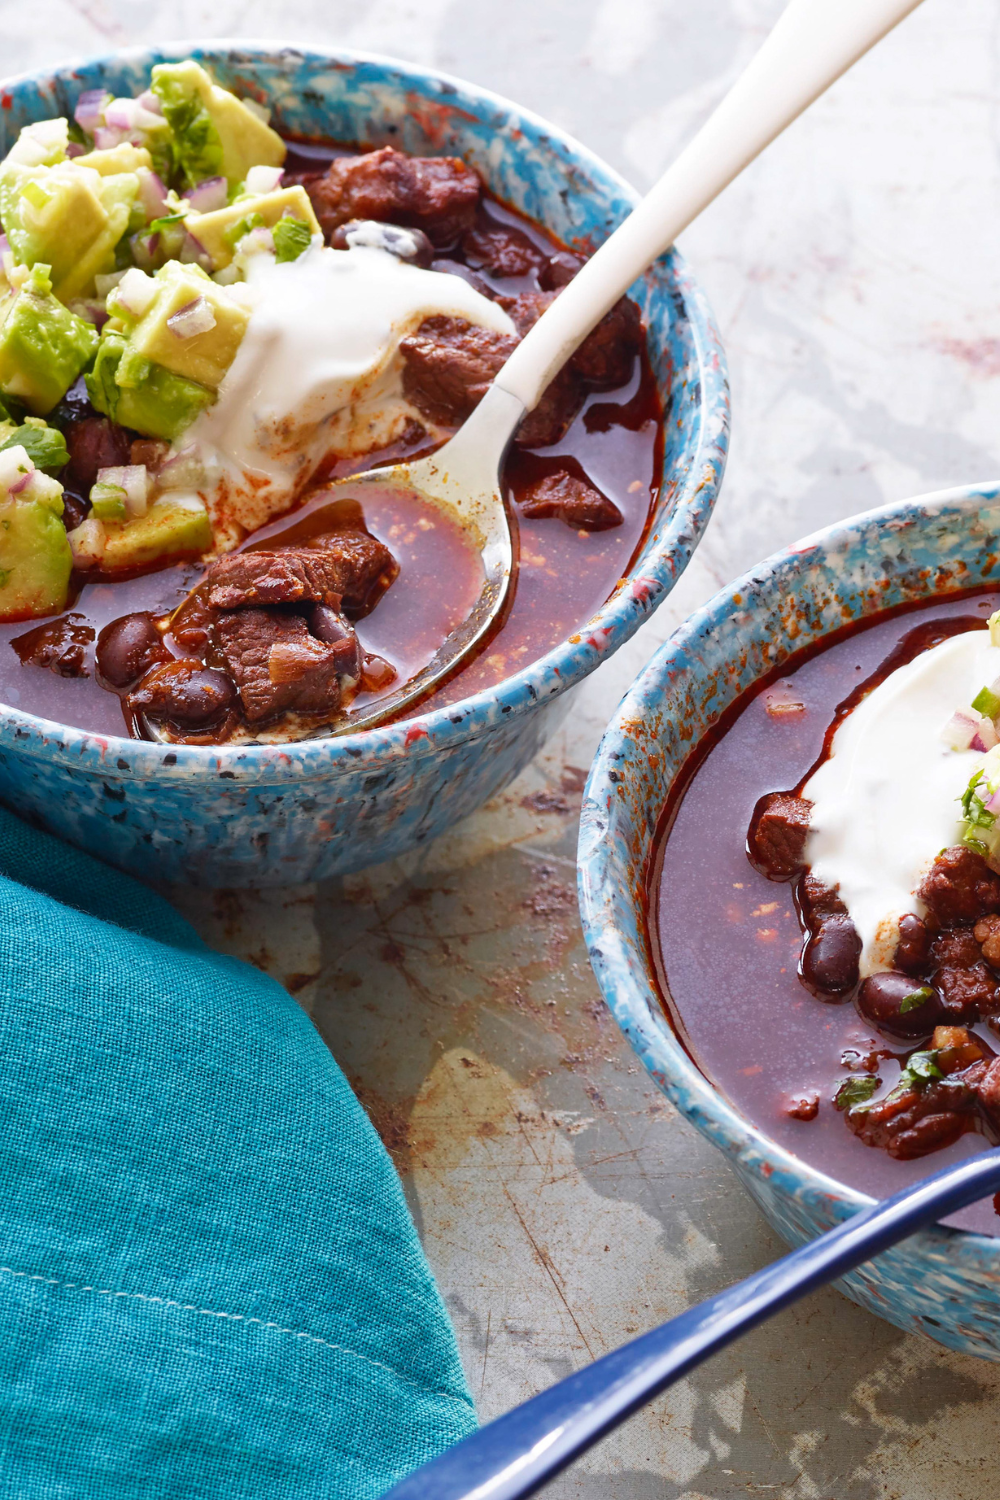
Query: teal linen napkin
[{"x": 209, "y": 1282}]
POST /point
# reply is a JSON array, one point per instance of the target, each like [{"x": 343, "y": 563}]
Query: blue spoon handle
[{"x": 521, "y": 1451}]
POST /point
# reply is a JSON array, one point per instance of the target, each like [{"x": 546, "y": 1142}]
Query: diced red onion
[
  {"x": 152, "y": 193},
  {"x": 4, "y": 244},
  {"x": 193, "y": 252},
  {"x": 87, "y": 543},
  {"x": 985, "y": 736},
  {"x": 135, "y": 292},
  {"x": 184, "y": 470},
  {"x": 144, "y": 248},
  {"x": 264, "y": 179},
  {"x": 256, "y": 240},
  {"x": 15, "y": 468},
  {"x": 993, "y": 803},
  {"x": 191, "y": 319},
  {"x": 87, "y": 307},
  {"x": 208, "y": 195},
  {"x": 73, "y": 148},
  {"x": 958, "y": 732},
  {"x": 89, "y": 109},
  {"x": 144, "y": 120},
  {"x": 149, "y": 101},
  {"x": 120, "y": 114},
  {"x": 106, "y": 137},
  {"x": 134, "y": 480},
  {"x": 104, "y": 284}
]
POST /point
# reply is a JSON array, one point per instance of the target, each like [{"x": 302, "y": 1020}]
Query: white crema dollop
[{"x": 885, "y": 803}]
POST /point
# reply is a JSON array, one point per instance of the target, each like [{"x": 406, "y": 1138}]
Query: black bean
[
  {"x": 411, "y": 245},
  {"x": 329, "y": 626},
  {"x": 185, "y": 694},
  {"x": 913, "y": 950},
  {"x": 127, "y": 648},
  {"x": 896, "y": 1003},
  {"x": 830, "y": 959}
]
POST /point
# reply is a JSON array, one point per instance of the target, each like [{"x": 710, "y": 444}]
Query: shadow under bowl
[
  {"x": 943, "y": 1282},
  {"x": 277, "y": 814}
]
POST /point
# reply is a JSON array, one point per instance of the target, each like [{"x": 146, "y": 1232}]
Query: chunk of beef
[
  {"x": 449, "y": 365},
  {"x": 803, "y": 1106},
  {"x": 438, "y": 194},
  {"x": 559, "y": 272},
  {"x": 605, "y": 357},
  {"x": 58, "y": 645},
  {"x": 988, "y": 1090},
  {"x": 348, "y": 567},
  {"x": 956, "y": 948},
  {"x": 550, "y": 419},
  {"x": 912, "y": 953},
  {"x": 128, "y": 648},
  {"x": 968, "y": 993},
  {"x": 564, "y": 497},
  {"x": 366, "y": 568},
  {"x": 960, "y": 887},
  {"x": 186, "y": 696},
  {"x": 276, "y": 664},
  {"x": 503, "y": 250},
  {"x": 911, "y": 1122},
  {"x": 777, "y": 838},
  {"x": 95, "y": 443},
  {"x": 249, "y": 579},
  {"x": 818, "y": 900},
  {"x": 987, "y": 933}
]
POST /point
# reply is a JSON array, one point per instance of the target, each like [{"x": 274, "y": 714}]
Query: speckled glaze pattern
[
  {"x": 264, "y": 815},
  {"x": 944, "y": 1283}
]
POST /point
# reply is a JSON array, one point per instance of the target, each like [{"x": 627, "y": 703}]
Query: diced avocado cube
[
  {"x": 43, "y": 346},
  {"x": 203, "y": 357},
  {"x": 214, "y": 132},
  {"x": 987, "y": 703},
  {"x": 68, "y": 217},
  {"x": 35, "y": 559},
  {"x": 161, "y": 405},
  {"x": 214, "y": 230},
  {"x": 41, "y": 144},
  {"x": 125, "y": 157},
  {"x": 170, "y": 527}
]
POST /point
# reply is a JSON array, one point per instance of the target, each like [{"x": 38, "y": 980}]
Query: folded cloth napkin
[{"x": 209, "y": 1282}]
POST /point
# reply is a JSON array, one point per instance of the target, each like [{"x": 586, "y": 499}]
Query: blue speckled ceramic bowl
[
  {"x": 944, "y": 1282},
  {"x": 273, "y": 814}
]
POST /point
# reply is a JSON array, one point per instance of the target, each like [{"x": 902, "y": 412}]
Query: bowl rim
[
  {"x": 561, "y": 667},
  {"x": 628, "y": 994}
]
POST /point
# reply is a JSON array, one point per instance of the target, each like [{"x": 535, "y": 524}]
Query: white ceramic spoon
[{"x": 813, "y": 43}]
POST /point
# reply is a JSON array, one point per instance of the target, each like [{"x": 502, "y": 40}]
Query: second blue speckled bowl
[
  {"x": 274, "y": 814},
  {"x": 943, "y": 1282}
]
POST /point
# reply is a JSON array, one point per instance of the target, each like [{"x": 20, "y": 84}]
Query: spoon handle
[
  {"x": 521, "y": 1451},
  {"x": 813, "y": 43}
]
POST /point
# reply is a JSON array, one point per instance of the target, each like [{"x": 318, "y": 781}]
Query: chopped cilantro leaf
[
  {"x": 921, "y": 1067},
  {"x": 857, "y": 1089},
  {"x": 914, "y": 1000},
  {"x": 45, "y": 446},
  {"x": 291, "y": 237},
  {"x": 974, "y": 805}
]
